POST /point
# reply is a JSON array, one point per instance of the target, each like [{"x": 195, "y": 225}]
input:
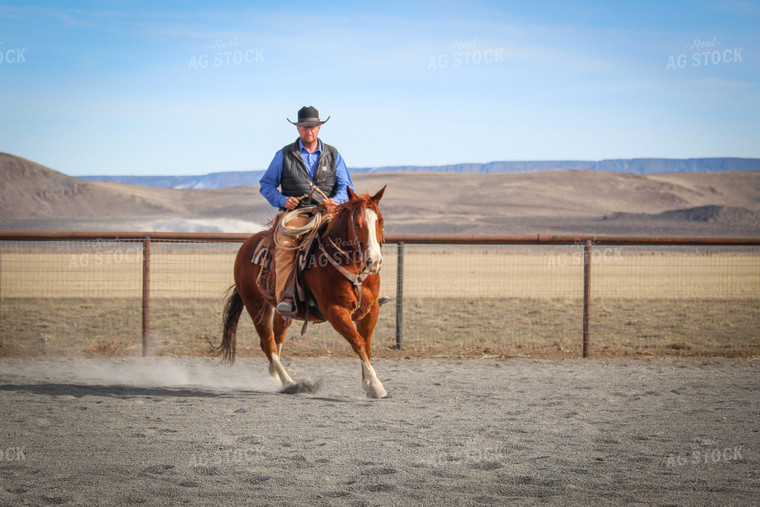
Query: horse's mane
[
  {"x": 356, "y": 201},
  {"x": 337, "y": 215}
]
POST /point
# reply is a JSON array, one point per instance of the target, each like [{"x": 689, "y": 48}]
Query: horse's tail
[{"x": 232, "y": 310}]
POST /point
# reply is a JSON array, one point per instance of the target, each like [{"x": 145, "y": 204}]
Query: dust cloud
[{"x": 165, "y": 372}]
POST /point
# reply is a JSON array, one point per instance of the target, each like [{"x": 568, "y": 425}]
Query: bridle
[{"x": 356, "y": 279}]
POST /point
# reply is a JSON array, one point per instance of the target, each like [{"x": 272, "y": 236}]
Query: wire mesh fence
[
  {"x": 69, "y": 297},
  {"x": 87, "y": 296},
  {"x": 501, "y": 301},
  {"x": 678, "y": 300}
]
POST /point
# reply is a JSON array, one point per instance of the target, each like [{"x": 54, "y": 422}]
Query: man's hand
[
  {"x": 291, "y": 203},
  {"x": 328, "y": 204}
]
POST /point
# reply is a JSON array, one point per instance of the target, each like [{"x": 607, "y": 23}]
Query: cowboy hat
[{"x": 308, "y": 117}]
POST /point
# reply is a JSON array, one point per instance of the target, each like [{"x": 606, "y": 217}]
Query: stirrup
[{"x": 286, "y": 308}]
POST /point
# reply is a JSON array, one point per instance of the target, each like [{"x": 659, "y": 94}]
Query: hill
[
  {"x": 30, "y": 190},
  {"x": 572, "y": 201},
  {"x": 562, "y": 201},
  {"x": 37, "y": 197}
]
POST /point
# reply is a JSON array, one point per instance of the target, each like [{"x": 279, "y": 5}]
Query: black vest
[{"x": 295, "y": 180}]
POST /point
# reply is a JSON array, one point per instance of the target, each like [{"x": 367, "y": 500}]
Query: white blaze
[{"x": 374, "y": 254}]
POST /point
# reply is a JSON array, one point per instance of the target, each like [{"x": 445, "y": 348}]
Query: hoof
[{"x": 376, "y": 392}]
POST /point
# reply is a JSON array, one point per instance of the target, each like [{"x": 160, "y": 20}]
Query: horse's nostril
[{"x": 374, "y": 264}]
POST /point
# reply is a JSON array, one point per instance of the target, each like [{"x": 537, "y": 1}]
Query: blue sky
[{"x": 180, "y": 87}]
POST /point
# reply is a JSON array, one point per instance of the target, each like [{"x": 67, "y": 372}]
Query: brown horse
[{"x": 342, "y": 277}]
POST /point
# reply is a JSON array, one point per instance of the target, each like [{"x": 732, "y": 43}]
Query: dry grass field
[{"x": 496, "y": 302}]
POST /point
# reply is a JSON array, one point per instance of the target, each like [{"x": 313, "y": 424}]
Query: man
[{"x": 308, "y": 168}]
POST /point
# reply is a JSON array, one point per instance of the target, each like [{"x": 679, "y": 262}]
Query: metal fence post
[
  {"x": 146, "y": 297},
  {"x": 586, "y": 295},
  {"x": 399, "y": 294},
  {"x": 1, "y": 281}
]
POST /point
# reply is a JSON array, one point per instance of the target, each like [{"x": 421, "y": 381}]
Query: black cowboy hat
[{"x": 308, "y": 117}]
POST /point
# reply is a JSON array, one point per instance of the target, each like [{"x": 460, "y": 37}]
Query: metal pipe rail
[{"x": 431, "y": 239}]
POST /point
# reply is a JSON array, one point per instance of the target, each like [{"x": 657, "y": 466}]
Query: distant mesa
[{"x": 629, "y": 166}]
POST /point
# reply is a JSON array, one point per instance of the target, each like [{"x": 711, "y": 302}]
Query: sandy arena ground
[{"x": 189, "y": 430}]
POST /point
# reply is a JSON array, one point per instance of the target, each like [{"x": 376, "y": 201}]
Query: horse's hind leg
[
  {"x": 268, "y": 339},
  {"x": 260, "y": 311},
  {"x": 278, "y": 337}
]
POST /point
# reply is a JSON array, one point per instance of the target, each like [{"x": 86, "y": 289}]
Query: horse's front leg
[
  {"x": 365, "y": 326},
  {"x": 372, "y": 385},
  {"x": 340, "y": 318}
]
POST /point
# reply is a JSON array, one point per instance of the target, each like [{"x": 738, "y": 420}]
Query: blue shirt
[{"x": 269, "y": 183}]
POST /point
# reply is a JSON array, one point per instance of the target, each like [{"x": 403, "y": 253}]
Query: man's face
[{"x": 308, "y": 134}]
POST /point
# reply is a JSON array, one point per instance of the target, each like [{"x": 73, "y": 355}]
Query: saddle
[{"x": 263, "y": 256}]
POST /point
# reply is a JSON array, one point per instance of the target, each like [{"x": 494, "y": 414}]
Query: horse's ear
[
  {"x": 379, "y": 195},
  {"x": 351, "y": 193}
]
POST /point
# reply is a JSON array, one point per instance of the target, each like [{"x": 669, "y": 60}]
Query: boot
[{"x": 287, "y": 306}]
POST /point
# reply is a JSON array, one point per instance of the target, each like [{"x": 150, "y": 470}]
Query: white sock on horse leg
[{"x": 372, "y": 384}]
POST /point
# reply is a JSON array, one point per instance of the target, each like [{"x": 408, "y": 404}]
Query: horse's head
[{"x": 364, "y": 218}]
